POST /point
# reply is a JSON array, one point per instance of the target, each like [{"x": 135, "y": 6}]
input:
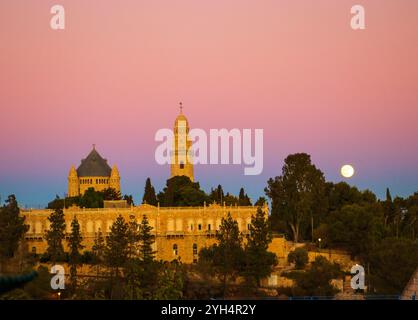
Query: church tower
[
  {"x": 181, "y": 156},
  {"x": 73, "y": 188},
  {"x": 114, "y": 178}
]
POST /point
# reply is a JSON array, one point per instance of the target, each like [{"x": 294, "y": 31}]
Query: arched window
[
  {"x": 181, "y": 165},
  {"x": 175, "y": 250},
  {"x": 194, "y": 249}
]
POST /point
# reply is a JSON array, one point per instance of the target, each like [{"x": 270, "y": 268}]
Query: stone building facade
[{"x": 180, "y": 232}]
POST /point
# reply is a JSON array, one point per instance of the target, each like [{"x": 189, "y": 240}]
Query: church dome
[{"x": 94, "y": 166}]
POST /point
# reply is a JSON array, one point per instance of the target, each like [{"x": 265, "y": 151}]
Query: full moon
[{"x": 347, "y": 171}]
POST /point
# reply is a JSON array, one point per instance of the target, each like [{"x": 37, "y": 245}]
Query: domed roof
[
  {"x": 94, "y": 166},
  {"x": 181, "y": 117}
]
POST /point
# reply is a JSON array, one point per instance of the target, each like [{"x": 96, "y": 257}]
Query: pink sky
[{"x": 293, "y": 68}]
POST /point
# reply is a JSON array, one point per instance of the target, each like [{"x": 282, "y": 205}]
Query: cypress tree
[
  {"x": 149, "y": 194},
  {"x": 243, "y": 198}
]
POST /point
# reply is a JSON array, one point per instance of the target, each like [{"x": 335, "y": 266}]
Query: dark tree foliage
[
  {"x": 297, "y": 196},
  {"x": 299, "y": 257},
  {"x": 12, "y": 228},
  {"x": 181, "y": 192},
  {"x": 111, "y": 194},
  {"x": 217, "y": 195},
  {"x": 55, "y": 235},
  {"x": 90, "y": 199},
  {"x": 146, "y": 240},
  {"x": 116, "y": 252},
  {"x": 392, "y": 263},
  {"x": 261, "y": 201},
  {"x": 129, "y": 199},
  {"x": 149, "y": 194},
  {"x": 355, "y": 228},
  {"x": 341, "y": 194},
  {"x": 75, "y": 246},
  {"x": 243, "y": 199},
  {"x": 316, "y": 281},
  {"x": 98, "y": 251},
  {"x": 259, "y": 262},
  {"x": 231, "y": 200},
  {"x": 226, "y": 258}
]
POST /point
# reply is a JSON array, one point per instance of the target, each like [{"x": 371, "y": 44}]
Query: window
[
  {"x": 248, "y": 226},
  {"x": 194, "y": 248},
  {"x": 175, "y": 250},
  {"x": 191, "y": 227},
  {"x": 181, "y": 165},
  {"x": 209, "y": 227},
  {"x": 34, "y": 250},
  {"x": 199, "y": 226}
]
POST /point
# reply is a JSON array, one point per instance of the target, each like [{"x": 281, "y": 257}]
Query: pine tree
[
  {"x": 116, "y": 253},
  {"x": 225, "y": 258},
  {"x": 259, "y": 261},
  {"x": 149, "y": 194},
  {"x": 75, "y": 246},
  {"x": 146, "y": 241},
  {"x": 12, "y": 228},
  {"x": 133, "y": 238},
  {"x": 55, "y": 235},
  {"x": 98, "y": 249}
]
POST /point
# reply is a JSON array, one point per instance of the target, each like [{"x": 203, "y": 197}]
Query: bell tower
[
  {"x": 182, "y": 153},
  {"x": 73, "y": 188}
]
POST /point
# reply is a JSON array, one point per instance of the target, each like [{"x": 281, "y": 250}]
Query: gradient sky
[{"x": 294, "y": 68}]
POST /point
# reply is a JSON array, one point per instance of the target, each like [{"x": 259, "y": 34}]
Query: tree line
[{"x": 381, "y": 234}]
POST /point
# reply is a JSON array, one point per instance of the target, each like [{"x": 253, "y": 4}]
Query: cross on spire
[
  {"x": 181, "y": 107},
  {"x": 94, "y": 146}
]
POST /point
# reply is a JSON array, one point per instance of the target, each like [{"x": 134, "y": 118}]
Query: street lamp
[
  {"x": 59, "y": 295},
  {"x": 319, "y": 242}
]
